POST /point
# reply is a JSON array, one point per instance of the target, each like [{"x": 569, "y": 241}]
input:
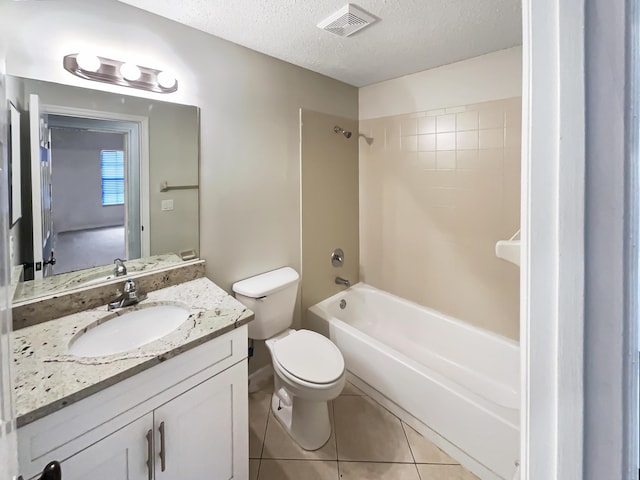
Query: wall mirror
[{"x": 104, "y": 176}]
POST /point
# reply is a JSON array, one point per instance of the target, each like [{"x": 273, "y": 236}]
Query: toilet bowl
[
  {"x": 308, "y": 372},
  {"x": 308, "y": 368}
]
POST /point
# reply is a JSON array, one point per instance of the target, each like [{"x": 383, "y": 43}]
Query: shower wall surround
[{"x": 438, "y": 189}]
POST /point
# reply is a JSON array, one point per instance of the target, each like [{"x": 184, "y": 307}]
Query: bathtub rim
[{"x": 322, "y": 306}]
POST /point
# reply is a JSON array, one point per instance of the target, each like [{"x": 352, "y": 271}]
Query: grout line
[
  {"x": 266, "y": 426},
  {"x": 404, "y": 430},
  {"x": 335, "y": 428},
  {"x": 417, "y": 471},
  {"x": 379, "y": 461}
]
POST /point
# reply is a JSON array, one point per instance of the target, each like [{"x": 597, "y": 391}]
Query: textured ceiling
[{"x": 413, "y": 35}]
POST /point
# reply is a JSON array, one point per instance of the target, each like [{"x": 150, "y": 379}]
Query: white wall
[
  {"x": 250, "y": 166},
  {"x": 493, "y": 76}
]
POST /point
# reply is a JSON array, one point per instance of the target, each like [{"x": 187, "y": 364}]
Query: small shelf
[{"x": 509, "y": 250}]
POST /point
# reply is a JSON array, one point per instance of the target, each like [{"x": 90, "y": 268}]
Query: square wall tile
[
  {"x": 427, "y": 160},
  {"x": 446, "y": 141},
  {"x": 492, "y": 138},
  {"x": 513, "y": 137},
  {"x": 492, "y": 117},
  {"x": 392, "y": 128},
  {"x": 467, "y": 121},
  {"x": 427, "y": 143},
  {"x": 446, "y": 123},
  {"x": 409, "y": 126},
  {"x": 392, "y": 147},
  {"x": 458, "y": 109},
  {"x": 446, "y": 160},
  {"x": 467, "y": 159},
  {"x": 426, "y": 125},
  {"x": 409, "y": 143},
  {"x": 467, "y": 140}
]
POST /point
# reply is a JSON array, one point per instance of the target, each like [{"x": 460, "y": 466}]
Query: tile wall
[{"x": 438, "y": 189}]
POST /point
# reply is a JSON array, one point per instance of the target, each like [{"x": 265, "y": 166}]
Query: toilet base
[{"x": 306, "y": 421}]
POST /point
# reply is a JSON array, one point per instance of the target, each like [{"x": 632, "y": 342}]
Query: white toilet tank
[{"x": 272, "y": 297}]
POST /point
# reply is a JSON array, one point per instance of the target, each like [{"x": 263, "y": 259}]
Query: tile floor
[{"x": 367, "y": 442}]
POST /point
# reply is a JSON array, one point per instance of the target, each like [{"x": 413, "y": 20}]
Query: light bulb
[
  {"x": 88, "y": 62},
  {"x": 130, "y": 72},
  {"x": 166, "y": 80}
]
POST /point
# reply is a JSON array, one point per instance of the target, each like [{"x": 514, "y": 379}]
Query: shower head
[{"x": 341, "y": 130}]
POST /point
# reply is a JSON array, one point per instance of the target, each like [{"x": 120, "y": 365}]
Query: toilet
[{"x": 308, "y": 369}]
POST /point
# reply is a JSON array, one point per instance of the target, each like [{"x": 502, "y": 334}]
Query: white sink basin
[
  {"x": 100, "y": 278},
  {"x": 127, "y": 331}
]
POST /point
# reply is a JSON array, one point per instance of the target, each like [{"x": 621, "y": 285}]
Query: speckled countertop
[
  {"x": 97, "y": 275},
  {"x": 48, "y": 378}
]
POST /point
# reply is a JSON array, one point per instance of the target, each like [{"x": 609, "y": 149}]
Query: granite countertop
[
  {"x": 48, "y": 377},
  {"x": 56, "y": 284}
]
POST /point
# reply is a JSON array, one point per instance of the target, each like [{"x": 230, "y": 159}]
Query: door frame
[
  {"x": 143, "y": 129},
  {"x": 579, "y": 305},
  {"x": 552, "y": 220}
]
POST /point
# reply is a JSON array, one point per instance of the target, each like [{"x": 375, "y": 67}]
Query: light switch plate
[{"x": 167, "y": 205}]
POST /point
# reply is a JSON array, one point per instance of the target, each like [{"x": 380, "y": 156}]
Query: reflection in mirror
[
  {"x": 92, "y": 168},
  {"x": 57, "y": 284}
]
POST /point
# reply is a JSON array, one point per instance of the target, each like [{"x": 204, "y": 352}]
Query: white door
[
  {"x": 40, "y": 143},
  {"x": 126, "y": 454},
  {"x": 203, "y": 433}
]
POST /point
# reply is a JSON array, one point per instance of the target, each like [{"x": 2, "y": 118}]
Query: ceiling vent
[{"x": 347, "y": 21}]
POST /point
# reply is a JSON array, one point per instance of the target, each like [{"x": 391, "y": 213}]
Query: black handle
[
  {"x": 51, "y": 261},
  {"x": 52, "y": 472}
]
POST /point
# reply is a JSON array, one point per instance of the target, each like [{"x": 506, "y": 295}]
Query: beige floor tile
[
  {"x": 279, "y": 444},
  {"x": 377, "y": 471},
  {"x": 424, "y": 451},
  {"x": 254, "y": 465},
  {"x": 259, "y": 403},
  {"x": 351, "y": 389},
  {"x": 298, "y": 470},
  {"x": 444, "y": 472},
  {"x": 365, "y": 431}
]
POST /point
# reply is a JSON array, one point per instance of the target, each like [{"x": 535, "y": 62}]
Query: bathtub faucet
[{"x": 343, "y": 281}]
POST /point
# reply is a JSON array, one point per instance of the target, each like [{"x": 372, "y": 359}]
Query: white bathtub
[{"x": 459, "y": 381}]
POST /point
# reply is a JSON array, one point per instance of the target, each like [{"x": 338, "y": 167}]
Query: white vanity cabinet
[
  {"x": 188, "y": 415},
  {"x": 120, "y": 456}
]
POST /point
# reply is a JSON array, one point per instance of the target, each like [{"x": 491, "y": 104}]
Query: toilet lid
[{"x": 309, "y": 356}]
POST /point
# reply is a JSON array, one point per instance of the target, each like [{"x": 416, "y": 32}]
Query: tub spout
[{"x": 343, "y": 281}]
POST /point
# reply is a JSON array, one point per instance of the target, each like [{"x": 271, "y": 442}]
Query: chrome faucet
[
  {"x": 343, "y": 281},
  {"x": 129, "y": 296},
  {"x": 120, "y": 270}
]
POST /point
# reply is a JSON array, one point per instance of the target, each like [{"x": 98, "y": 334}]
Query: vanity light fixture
[
  {"x": 130, "y": 72},
  {"x": 107, "y": 70},
  {"x": 88, "y": 62},
  {"x": 166, "y": 80}
]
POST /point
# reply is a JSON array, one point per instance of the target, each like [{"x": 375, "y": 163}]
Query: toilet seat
[{"x": 309, "y": 357}]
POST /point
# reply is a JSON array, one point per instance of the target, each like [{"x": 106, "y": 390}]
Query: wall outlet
[{"x": 167, "y": 205}]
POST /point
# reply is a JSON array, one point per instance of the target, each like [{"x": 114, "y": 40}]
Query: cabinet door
[
  {"x": 120, "y": 456},
  {"x": 203, "y": 433}
]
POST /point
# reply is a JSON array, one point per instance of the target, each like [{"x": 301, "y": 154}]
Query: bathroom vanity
[{"x": 175, "y": 408}]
